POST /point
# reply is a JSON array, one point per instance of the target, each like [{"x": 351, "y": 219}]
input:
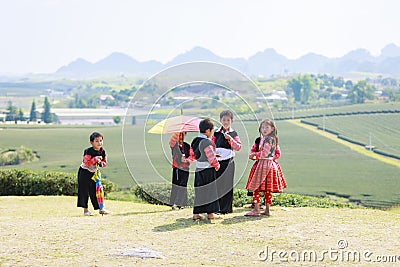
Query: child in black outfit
[
  {"x": 226, "y": 140},
  {"x": 182, "y": 157},
  {"x": 93, "y": 157},
  {"x": 207, "y": 165}
]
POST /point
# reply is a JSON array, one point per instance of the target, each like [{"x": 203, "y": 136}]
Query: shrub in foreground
[
  {"x": 159, "y": 194},
  {"x": 32, "y": 183},
  {"x": 17, "y": 156}
]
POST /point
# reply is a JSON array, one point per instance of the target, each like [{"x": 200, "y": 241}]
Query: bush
[
  {"x": 351, "y": 140},
  {"x": 17, "y": 156},
  {"x": 159, "y": 194},
  {"x": 30, "y": 183},
  {"x": 295, "y": 200},
  {"x": 240, "y": 197},
  {"x": 377, "y": 151},
  {"x": 309, "y": 123}
]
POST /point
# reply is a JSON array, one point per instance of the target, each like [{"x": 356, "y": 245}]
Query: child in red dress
[{"x": 266, "y": 174}]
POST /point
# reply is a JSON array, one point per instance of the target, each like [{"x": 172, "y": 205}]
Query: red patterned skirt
[{"x": 266, "y": 175}]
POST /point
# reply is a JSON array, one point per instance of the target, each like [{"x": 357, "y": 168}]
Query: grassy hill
[
  {"x": 51, "y": 231},
  {"x": 380, "y": 130},
  {"x": 61, "y": 148},
  {"x": 327, "y": 110},
  {"x": 312, "y": 164}
]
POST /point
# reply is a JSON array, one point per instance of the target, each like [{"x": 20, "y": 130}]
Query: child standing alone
[
  {"x": 93, "y": 158},
  {"x": 266, "y": 176}
]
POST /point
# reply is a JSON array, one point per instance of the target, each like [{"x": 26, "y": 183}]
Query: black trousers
[
  {"x": 205, "y": 191},
  {"x": 179, "y": 195},
  {"x": 225, "y": 176},
  {"x": 86, "y": 189}
]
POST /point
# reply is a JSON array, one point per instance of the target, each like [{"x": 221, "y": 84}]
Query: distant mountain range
[{"x": 265, "y": 64}]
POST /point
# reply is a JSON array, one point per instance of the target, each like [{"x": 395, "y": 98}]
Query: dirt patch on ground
[{"x": 51, "y": 231}]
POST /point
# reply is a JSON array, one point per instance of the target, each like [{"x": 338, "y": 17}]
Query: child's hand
[
  {"x": 99, "y": 159},
  {"x": 227, "y": 137},
  {"x": 252, "y": 156}
]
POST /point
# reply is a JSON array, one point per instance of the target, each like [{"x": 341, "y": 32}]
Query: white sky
[{"x": 43, "y": 35}]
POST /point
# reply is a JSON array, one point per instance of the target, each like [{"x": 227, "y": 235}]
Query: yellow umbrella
[{"x": 176, "y": 124}]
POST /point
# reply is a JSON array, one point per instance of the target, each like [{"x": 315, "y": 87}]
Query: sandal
[
  {"x": 265, "y": 214},
  {"x": 196, "y": 217},
  {"x": 252, "y": 214},
  {"x": 214, "y": 217},
  {"x": 104, "y": 212}
]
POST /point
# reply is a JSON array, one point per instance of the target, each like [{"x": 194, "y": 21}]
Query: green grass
[
  {"x": 61, "y": 148},
  {"x": 289, "y": 112},
  {"x": 383, "y": 129},
  {"x": 51, "y": 231},
  {"x": 312, "y": 164}
]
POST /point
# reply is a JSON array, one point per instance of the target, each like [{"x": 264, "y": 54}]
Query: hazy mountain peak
[
  {"x": 77, "y": 64},
  {"x": 264, "y": 63},
  {"x": 313, "y": 56},
  {"x": 80, "y": 61},
  {"x": 269, "y": 54},
  {"x": 201, "y": 51},
  {"x": 360, "y": 54},
  {"x": 117, "y": 58},
  {"x": 391, "y": 50},
  {"x": 270, "y": 51},
  {"x": 197, "y": 53}
]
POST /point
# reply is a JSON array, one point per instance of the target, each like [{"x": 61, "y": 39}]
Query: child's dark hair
[
  {"x": 227, "y": 113},
  {"x": 271, "y": 123},
  {"x": 94, "y": 135},
  {"x": 205, "y": 124}
]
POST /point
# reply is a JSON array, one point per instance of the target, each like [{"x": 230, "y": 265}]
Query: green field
[
  {"x": 61, "y": 148},
  {"x": 313, "y": 111},
  {"x": 312, "y": 164},
  {"x": 380, "y": 130},
  {"x": 315, "y": 164}
]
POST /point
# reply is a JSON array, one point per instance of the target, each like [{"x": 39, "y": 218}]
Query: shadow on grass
[
  {"x": 241, "y": 219},
  {"x": 240, "y": 210},
  {"x": 180, "y": 223},
  {"x": 140, "y": 212}
]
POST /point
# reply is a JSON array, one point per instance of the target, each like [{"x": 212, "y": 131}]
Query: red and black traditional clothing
[
  {"x": 225, "y": 175},
  {"x": 180, "y": 170},
  {"x": 266, "y": 174},
  {"x": 86, "y": 185},
  {"x": 206, "y": 197}
]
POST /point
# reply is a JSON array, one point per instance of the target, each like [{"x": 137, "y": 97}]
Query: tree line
[
  {"x": 308, "y": 87},
  {"x": 15, "y": 114}
]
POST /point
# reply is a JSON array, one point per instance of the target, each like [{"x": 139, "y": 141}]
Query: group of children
[
  {"x": 214, "y": 153},
  {"x": 215, "y": 167}
]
